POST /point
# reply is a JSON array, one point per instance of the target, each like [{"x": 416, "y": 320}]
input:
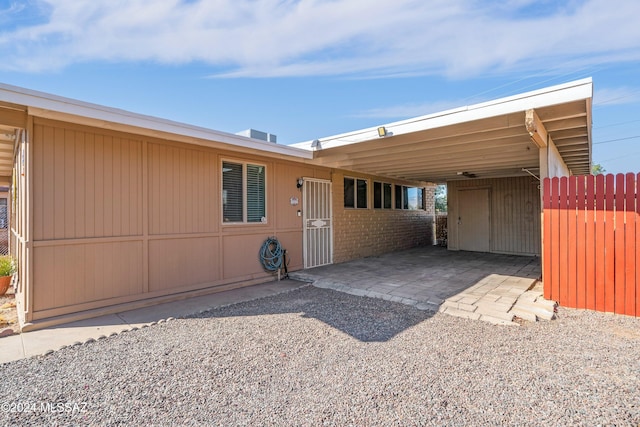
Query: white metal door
[{"x": 317, "y": 222}]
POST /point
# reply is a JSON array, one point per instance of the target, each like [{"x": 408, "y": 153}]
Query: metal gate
[{"x": 317, "y": 220}]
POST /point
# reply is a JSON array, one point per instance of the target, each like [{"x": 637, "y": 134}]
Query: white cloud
[{"x": 326, "y": 37}]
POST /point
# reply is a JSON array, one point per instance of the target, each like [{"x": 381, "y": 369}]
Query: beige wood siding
[
  {"x": 183, "y": 190},
  {"x": 75, "y": 274},
  {"x": 119, "y": 218},
  {"x": 85, "y": 184},
  {"x": 514, "y": 211},
  {"x": 20, "y": 222},
  {"x": 183, "y": 262}
]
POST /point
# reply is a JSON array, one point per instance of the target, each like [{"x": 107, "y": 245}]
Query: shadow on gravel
[{"x": 365, "y": 319}]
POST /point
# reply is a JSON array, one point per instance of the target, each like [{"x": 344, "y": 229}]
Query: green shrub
[{"x": 7, "y": 265}]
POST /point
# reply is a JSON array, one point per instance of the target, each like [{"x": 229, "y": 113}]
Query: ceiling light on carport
[{"x": 467, "y": 174}]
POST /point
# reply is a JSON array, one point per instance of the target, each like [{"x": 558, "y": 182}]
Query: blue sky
[{"x": 304, "y": 69}]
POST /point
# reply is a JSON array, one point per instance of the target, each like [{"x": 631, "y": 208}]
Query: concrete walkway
[
  {"x": 43, "y": 341},
  {"x": 491, "y": 287}
]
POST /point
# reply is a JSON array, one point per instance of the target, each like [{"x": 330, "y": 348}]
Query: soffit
[{"x": 487, "y": 140}]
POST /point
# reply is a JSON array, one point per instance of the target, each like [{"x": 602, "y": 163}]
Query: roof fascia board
[
  {"x": 560, "y": 94},
  {"x": 55, "y": 107},
  {"x": 589, "y": 131}
]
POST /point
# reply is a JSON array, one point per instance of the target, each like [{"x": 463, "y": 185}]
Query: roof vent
[{"x": 256, "y": 134}]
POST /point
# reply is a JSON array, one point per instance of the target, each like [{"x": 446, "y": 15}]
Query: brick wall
[{"x": 360, "y": 233}]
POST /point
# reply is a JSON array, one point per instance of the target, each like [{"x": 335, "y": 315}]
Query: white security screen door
[{"x": 317, "y": 222}]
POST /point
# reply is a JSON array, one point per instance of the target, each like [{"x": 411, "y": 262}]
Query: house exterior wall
[
  {"x": 556, "y": 166},
  {"x": 119, "y": 218},
  {"x": 109, "y": 219},
  {"x": 366, "y": 232},
  {"x": 514, "y": 213},
  {"x": 19, "y": 238}
]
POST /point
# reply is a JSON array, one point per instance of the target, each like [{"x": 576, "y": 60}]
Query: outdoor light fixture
[
  {"x": 299, "y": 182},
  {"x": 382, "y": 131},
  {"x": 316, "y": 144},
  {"x": 467, "y": 174}
]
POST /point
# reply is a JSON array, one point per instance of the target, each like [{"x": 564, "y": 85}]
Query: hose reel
[{"x": 273, "y": 257}]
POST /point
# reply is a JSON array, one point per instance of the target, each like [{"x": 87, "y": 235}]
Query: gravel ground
[{"x": 319, "y": 357}]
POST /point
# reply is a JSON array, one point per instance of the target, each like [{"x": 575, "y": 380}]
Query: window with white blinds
[
  {"x": 243, "y": 192},
  {"x": 255, "y": 193}
]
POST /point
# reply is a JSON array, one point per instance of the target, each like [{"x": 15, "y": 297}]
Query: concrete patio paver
[{"x": 477, "y": 286}]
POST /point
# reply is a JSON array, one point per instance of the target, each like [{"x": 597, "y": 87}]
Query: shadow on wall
[{"x": 365, "y": 319}]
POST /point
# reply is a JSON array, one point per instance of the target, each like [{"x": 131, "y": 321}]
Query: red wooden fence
[{"x": 591, "y": 242}]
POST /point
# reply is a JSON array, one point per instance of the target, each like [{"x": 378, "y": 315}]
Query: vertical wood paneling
[
  {"x": 90, "y": 246},
  {"x": 90, "y": 185},
  {"x": 620, "y": 258},
  {"x": 637, "y": 266},
  {"x": 76, "y": 274},
  {"x": 590, "y": 243},
  {"x": 547, "y": 242},
  {"x": 572, "y": 232},
  {"x": 609, "y": 259},
  {"x": 602, "y": 220},
  {"x": 515, "y": 213},
  {"x": 563, "y": 242},
  {"x": 630, "y": 246},
  {"x": 580, "y": 243},
  {"x": 85, "y": 186},
  {"x": 79, "y": 186},
  {"x": 116, "y": 179},
  {"x": 38, "y": 175},
  {"x": 555, "y": 238},
  {"x": 600, "y": 242},
  {"x": 58, "y": 184},
  {"x": 183, "y": 195},
  {"x": 99, "y": 186},
  {"x": 68, "y": 188},
  {"x": 175, "y": 263},
  {"x": 153, "y": 153},
  {"x": 107, "y": 189}
]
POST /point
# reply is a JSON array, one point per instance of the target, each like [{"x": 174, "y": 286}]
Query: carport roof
[
  {"x": 485, "y": 140},
  {"x": 490, "y": 139}
]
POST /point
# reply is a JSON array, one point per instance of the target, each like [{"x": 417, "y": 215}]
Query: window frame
[
  {"x": 383, "y": 199},
  {"x": 245, "y": 192},
  {"x": 356, "y": 200},
  {"x": 402, "y": 203}
]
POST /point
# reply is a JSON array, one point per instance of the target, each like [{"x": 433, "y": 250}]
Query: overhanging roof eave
[
  {"x": 554, "y": 95},
  {"x": 45, "y": 105}
]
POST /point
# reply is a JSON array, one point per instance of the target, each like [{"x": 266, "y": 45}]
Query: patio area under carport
[{"x": 475, "y": 285}]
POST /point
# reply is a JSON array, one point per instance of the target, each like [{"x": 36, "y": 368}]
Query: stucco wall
[{"x": 366, "y": 232}]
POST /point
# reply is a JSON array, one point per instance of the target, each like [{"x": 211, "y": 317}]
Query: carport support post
[{"x": 540, "y": 138}]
